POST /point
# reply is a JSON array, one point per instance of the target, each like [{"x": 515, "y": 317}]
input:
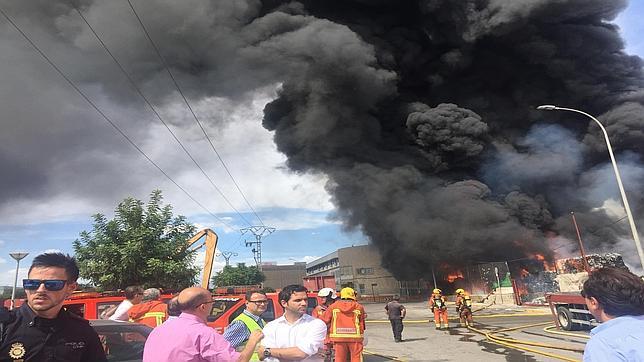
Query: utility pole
[
  {"x": 258, "y": 232},
  {"x": 581, "y": 244},
  {"x": 227, "y": 255}
]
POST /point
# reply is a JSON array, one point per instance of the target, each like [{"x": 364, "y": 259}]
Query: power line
[
  {"x": 106, "y": 118},
  {"x": 138, "y": 90},
  {"x": 176, "y": 84}
]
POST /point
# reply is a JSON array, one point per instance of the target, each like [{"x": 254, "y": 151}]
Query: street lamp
[
  {"x": 17, "y": 256},
  {"x": 631, "y": 222}
]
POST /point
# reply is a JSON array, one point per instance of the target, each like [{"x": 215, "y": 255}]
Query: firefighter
[
  {"x": 439, "y": 308},
  {"x": 346, "y": 321},
  {"x": 464, "y": 307},
  {"x": 328, "y": 296}
]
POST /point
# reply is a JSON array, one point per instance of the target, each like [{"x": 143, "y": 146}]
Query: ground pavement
[{"x": 421, "y": 342}]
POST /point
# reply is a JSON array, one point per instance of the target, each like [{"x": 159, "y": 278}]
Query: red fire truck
[
  {"x": 569, "y": 311},
  {"x": 90, "y": 305}
]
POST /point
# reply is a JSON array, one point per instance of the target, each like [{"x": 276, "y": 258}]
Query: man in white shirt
[
  {"x": 133, "y": 295},
  {"x": 295, "y": 336}
]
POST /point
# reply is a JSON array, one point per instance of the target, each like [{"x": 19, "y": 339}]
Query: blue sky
[{"x": 297, "y": 205}]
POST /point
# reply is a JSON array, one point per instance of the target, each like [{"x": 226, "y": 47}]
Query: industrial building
[
  {"x": 279, "y": 276},
  {"x": 358, "y": 267}
]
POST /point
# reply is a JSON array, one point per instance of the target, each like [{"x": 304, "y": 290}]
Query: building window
[
  {"x": 364, "y": 271},
  {"x": 361, "y": 287}
]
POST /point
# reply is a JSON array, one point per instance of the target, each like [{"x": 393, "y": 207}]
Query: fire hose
[
  {"x": 517, "y": 344},
  {"x": 550, "y": 330}
]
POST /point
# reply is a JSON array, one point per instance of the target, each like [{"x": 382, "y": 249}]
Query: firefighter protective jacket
[
  {"x": 437, "y": 301},
  {"x": 151, "y": 313},
  {"x": 463, "y": 301},
  {"x": 346, "y": 321}
]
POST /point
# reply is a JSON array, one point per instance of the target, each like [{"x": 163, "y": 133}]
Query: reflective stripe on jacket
[
  {"x": 346, "y": 319},
  {"x": 152, "y": 313}
]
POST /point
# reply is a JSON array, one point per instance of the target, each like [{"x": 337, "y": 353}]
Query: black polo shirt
[{"x": 64, "y": 338}]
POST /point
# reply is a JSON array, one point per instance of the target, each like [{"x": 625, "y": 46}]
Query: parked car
[{"x": 122, "y": 341}]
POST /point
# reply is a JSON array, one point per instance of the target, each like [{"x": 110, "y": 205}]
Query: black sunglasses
[
  {"x": 259, "y": 301},
  {"x": 51, "y": 284}
]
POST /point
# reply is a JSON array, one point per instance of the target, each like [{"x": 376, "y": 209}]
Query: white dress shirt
[
  {"x": 120, "y": 314},
  {"x": 307, "y": 334}
]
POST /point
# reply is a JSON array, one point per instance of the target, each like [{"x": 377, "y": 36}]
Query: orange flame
[
  {"x": 454, "y": 275},
  {"x": 546, "y": 265}
]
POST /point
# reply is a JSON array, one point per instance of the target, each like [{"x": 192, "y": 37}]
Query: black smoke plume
[
  {"x": 442, "y": 159},
  {"x": 421, "y": 113}
]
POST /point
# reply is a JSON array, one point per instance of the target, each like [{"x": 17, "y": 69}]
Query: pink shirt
[{"x": 187, "y": 338}]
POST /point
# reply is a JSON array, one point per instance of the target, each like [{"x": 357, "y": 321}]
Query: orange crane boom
[{"x": 211, "y": 245}]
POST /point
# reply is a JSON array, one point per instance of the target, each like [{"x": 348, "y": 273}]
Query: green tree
[
  {"x": 239, "y": 275},
  {"x": 142, "y": 245}
]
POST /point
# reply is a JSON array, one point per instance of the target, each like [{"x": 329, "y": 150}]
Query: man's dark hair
[
  {"x": 174, "y": 309},
  {"x": 619, "y": 292},
  {"x": 58, "y": 260},
  {"x": 396, "y": 297},
  {"x": 132, "y": 291},
  {"x": 285, "y": 294},
  {"x": 251, "y": 292}
]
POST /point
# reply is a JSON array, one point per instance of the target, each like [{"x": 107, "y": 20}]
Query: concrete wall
[
  {"x": 279, "y": 276},
  {"x": 360, "y": 268}
]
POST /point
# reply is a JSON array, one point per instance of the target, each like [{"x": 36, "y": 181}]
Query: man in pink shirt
[{"x": 188, "y": 338}]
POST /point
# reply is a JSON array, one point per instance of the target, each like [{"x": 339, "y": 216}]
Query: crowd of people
[{"x": 42, "y": 330}]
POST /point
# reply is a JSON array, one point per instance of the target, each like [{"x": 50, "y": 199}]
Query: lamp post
[
  {"x": 17, "y": 256},
  {"x": 631, "y": 222}
]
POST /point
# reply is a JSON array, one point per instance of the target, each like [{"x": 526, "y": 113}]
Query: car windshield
[
  {"x": 220, "y": 306},
  {"x": 122, "y": 341}
]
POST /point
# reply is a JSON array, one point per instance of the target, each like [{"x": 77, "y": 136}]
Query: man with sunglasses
[
  {"x": 249, "y": 320},
  {"x": 41, "y": 329},
  {"x": 189, "y": 338}
]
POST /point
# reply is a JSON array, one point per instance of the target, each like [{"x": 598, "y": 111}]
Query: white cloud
[
  {"x": 236, "y": 131},
  {"x": 297, "y": 219},
  {"x": 7, "y": 276}
]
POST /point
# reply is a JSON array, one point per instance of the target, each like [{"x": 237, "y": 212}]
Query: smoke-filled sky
[{"x": 413, "y": 123}]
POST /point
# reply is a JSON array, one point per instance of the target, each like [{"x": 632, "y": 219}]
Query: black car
[{"x": 122, "y": 341}]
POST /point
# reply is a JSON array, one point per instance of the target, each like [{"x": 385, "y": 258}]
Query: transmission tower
[
  {"x": 227, "y": 255},
  {"x": 258, "y": 232}
]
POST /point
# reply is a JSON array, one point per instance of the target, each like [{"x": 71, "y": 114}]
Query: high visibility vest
[
  {"x": 252, "y": 325},
  {"x": 346, "y": 326}
]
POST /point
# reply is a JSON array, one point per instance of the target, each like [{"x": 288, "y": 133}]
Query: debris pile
[
  {"x": 595, "y": 261},
  {"x": 533, "y": 287}
]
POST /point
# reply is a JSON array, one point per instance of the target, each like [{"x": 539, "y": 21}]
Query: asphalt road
[{"x": 421, "y": 342}]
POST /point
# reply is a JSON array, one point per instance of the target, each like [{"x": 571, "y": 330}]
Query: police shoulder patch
[{"x": 17, "y": 351}]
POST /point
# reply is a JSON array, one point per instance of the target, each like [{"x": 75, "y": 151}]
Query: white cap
[{"x": 325, "y": 292}]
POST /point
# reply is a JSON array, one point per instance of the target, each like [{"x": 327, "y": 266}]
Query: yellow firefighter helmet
[
  {"x": 348, "y": 293},
  {"x": 437, "y": 291},
  {"x": 459, "y": 291}
]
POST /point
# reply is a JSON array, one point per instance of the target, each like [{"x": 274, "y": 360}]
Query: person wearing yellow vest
[
  {"x": 240, "y": 329},
  {"x": 151, "y": 311},
  {"x": 346, "y": 321}
]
